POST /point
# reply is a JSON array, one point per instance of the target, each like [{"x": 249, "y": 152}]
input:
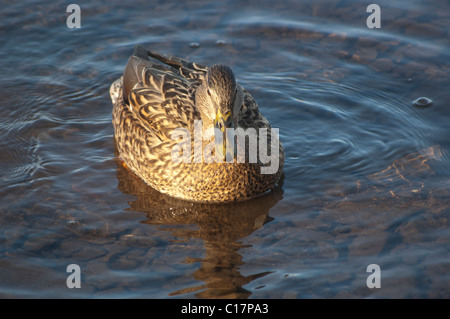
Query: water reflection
[{"x": 221, "y": 227}]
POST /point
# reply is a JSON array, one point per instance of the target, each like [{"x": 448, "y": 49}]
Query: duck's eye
[{"x": 208, "y": 91}]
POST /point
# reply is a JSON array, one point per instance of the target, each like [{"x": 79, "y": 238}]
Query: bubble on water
[
  {"x": 422, "y": 102},
  {"x": 72, "y": 222},
  {"x": 194, "y": 45},
  {"x": 221, "y": 43}
]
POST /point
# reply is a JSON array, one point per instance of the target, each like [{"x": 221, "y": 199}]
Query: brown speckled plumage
[{"x": 153, "y": 99}]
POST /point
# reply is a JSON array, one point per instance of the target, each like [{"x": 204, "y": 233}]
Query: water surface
[{"x": 366, "y": 175}]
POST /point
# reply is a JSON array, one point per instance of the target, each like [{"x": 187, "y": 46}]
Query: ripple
[
  {"x": 422, "y": 102},
  {"x": 20, "y": 160}
]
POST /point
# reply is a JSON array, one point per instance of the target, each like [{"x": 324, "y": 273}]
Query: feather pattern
[{"x": 151, "y": 100}]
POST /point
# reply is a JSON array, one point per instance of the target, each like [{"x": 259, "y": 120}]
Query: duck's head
[
  {"x": 220, "y": 89},
  {"x": 218, "y": 100}
]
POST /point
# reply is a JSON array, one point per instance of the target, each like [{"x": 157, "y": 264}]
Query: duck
[{"x": 172, "y": 120}]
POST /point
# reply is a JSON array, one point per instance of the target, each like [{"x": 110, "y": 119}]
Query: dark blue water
[{"x": 367, "y": 178}]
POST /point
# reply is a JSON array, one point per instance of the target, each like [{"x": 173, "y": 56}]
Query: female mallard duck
[{"x": 153, "y": 101}]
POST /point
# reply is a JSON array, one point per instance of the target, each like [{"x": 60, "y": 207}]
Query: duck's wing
[
  {"x": 249, "y": 114},
  {"x": 161, "y": 97}
]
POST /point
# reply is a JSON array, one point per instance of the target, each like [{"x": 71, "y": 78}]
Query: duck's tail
[{"x": 186, "y": 68}]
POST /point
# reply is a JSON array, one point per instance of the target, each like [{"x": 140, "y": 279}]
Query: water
[{"x": 366, "y": 176}]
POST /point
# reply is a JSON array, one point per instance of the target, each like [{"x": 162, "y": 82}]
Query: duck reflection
[{"x": 220, "y": 226}]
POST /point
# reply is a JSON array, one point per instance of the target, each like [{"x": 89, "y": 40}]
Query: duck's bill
[{"x": 224, "y": 137}]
